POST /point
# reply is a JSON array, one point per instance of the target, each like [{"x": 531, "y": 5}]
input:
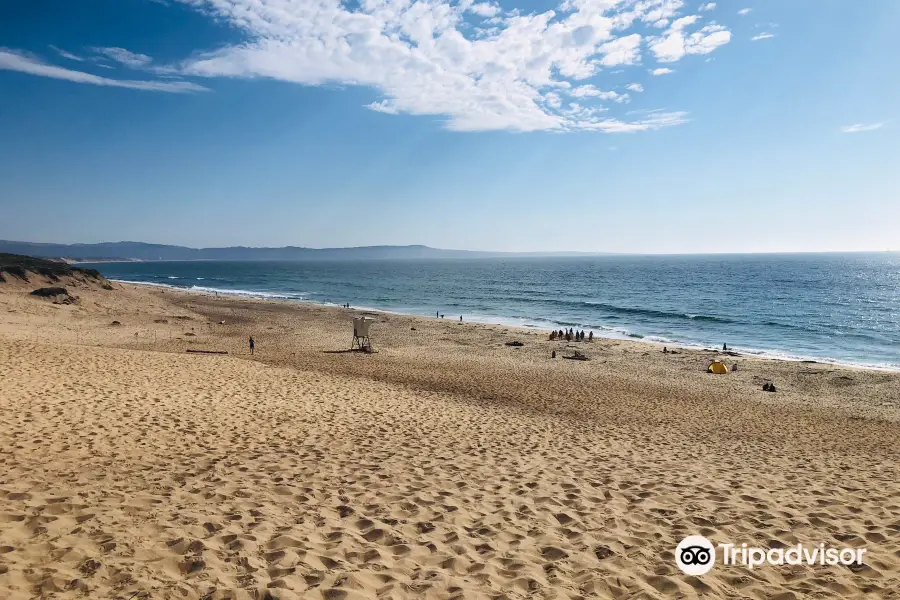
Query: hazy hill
[{"x": 142, "y": 251}]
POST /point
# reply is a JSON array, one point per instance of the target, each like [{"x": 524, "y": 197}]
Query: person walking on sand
[{"x": 252, "y": 344}]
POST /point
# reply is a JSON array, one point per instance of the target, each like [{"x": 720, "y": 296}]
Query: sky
[{"x": 640, "y": 126}]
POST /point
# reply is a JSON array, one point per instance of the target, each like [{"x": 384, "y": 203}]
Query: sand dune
[{"x": 445, "y": 466}]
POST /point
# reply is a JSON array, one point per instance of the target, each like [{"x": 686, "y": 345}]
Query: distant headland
[{"x": 140, "y": 251}]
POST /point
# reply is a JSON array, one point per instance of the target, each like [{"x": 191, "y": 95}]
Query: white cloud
[
  {"x": 745, "y": 11},
  {"x": 674, "y": 44},
  {"x": 125, "y": 57},
  {"x": 662, "y": 71},
  {"x": 428, "y": 57},
  {"x": 16, "y": 61},
  {"x": 589, "y": 91},
  {"x": 553, "y": 100},
  {"x": 621, "y": 51},
  {"x": 861, "y": 127},
  {"x": 484, "y": 9},
  {"x": 383, "y": 106},
  {"x": 634, "y": 87},
  {"x": 707, "y": 7},
  {"x": 659, "y": 12},
  {"x": 67, "y": 55},
  {"x": 762, "y": 36}
]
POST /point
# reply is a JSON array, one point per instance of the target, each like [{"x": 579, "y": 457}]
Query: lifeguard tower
[{"x": 361, "y": 333}]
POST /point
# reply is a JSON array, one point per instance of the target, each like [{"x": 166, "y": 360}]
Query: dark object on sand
[
  {"x": 115, "y": 323},
  {"x": 553, "y": 354},
  {"x": 50, "y": 291},
  {"x": 577, "y": 356},
  {"x": 515, "y": 344},
  {"x": 207, "y": 351},
  {"x": 412, "y": 328},
  {"x": 769, "y": 387}
]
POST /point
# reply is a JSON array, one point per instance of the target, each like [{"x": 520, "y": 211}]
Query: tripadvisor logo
[{"x": 696, "y": 555}]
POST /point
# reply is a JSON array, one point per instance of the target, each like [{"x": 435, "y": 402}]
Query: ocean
[{"x": 842, "y": 308}]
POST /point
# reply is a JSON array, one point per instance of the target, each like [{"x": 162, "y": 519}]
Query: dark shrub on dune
[
  {"x": 50, "y": 291},
  {"x": 19, "y": 266}
]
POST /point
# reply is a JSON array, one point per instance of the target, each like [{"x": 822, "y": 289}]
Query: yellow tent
[{"x": 717, "y": 367}]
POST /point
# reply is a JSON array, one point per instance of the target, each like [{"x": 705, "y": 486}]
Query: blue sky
[{"x": 605, "y": 125}]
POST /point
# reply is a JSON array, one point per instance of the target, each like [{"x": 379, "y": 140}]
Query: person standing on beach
[{"x": 252, "y": 344}]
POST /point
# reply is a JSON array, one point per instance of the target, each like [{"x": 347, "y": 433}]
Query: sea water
[{"x": 833, "y": 307}]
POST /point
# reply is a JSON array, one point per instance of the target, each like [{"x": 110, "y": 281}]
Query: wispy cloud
[
  {"x": 707, "y": 7},
  {"x": 589, "y": 91},
  {"x": 762, "y": 36},
  {"x": 656, "y": 120},
  {"x": 11, "y": 60},
  {"x": 634, "y": 87},
  {"x": 661, "y": 71},
  {"x": 125, "y": 57},
  {"x": 861, "y": 127},
  {"x": 745, "y": 11},
  {"x": 476, "y": 65},
  {"x": 67, "y": 55}
]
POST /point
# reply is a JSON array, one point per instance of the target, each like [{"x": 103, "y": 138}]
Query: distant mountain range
[{"x": 140, "y": 251}]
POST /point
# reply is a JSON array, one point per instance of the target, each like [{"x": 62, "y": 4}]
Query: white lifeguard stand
[{"x": 361, "y": 333}]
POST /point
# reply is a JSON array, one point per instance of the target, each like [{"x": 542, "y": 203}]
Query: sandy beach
[{"x": 447, "y": 464}]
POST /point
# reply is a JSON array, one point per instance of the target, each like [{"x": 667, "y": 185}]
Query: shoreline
[{"x": 606, "y": 334}]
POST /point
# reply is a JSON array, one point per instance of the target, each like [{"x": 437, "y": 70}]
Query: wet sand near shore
[{"x": 444, "y": 465}]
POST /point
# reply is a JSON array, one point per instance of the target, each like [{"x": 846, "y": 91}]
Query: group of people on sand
[{"x": 570, "y": 334}]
